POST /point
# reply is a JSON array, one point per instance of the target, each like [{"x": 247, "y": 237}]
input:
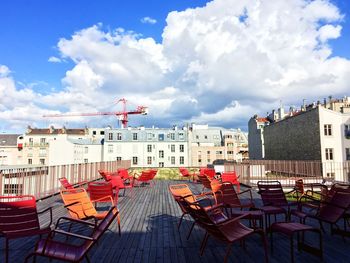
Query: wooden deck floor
[{"x": 150, "y": 234}]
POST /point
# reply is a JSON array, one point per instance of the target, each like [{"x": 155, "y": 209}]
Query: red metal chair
[
  {"x": 225, "y": 194},
  {"x": 67, "y": 185},
  {"x": 185, "y": 173},
  {"x": 73, "y": 251},
  {"x": 220, "y": 227},
  {"x": 330, "y": 210},
  {"x": 105, "y": 174},
  {"x": 124, "y": 174},
  {"x": 210, "y": 172},
  {"x": 118, "y": 183},
  {"x": 232, "y": 178},
  {"x": 146, "y": 177},
  {"x": 274, "y": 201},
  {"x": 101, "y": 192},
  {"x": 19, "y": 218}
]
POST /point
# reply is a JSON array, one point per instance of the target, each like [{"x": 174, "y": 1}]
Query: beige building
[{"x": 9, "y": 152}]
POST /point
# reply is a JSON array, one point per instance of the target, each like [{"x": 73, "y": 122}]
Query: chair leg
[
  {"x": 6, "y": 250},
  {"x": 87, "y": 258},
  {"x": 228, "y": 250},
  {"x": 204, "y": 243},
  {"x": 179, "y": 224},
  {"x": 291, "y": 249},
  {"x": 189, "y": 233},
  {"x": 118, "y": 217}
]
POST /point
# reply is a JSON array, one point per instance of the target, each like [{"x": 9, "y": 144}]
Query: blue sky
[{"x": 198, "y": 64}]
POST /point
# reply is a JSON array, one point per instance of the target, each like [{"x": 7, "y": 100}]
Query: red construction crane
[{"x": 123, "y": 115}]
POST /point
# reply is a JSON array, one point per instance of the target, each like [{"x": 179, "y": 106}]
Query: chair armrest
[
  {"x": 44, "y": 211},
  {"x": 103, "y": 198},
  {"x": 73, "y": 220},
  {"x": 230, "y": 220},
  {"x": 65, "y": 233}
]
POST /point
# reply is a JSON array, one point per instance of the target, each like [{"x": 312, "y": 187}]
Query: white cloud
[
  {"x": 221, "y": 63},
  {"x": 54, "y": 59},
  {"x": 148, "y": 20}
]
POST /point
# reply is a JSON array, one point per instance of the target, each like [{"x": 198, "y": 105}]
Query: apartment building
[
  {"x": 316, "y": 132},
  {"x": 9, "y": 154},
  {"x": 147, "y": 147},
  {"x": 208, "y": 144}
]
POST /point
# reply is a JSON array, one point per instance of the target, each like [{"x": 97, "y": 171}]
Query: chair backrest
[
  {"x": 18, "y": 213},
  {"x": 146, "y": 176},
  {"x": 184, "y": 172},
  {"x": 123, "y": 173},
  {"x": 117, "y": 182},
  {"x": 225, "y": 193},
  {"x": 334, "y": 208},
  {"x": 205, "y": 181},
  {"x": 105, "y": 223},
  {"x": 299, "y": 186},
  {"x": 182, "y": 190},
  {"x": 101, "y": 191},
  {"x": 210, "y": 172},
  {"x": 271, "y": 193},
  {"x": 153, "y": 173},
  {"x": 78, "y": 203},
  {"x": 229, "y": 177},
  {"x": 105, "y": 174},
  {"x": 65, "y": 184}
]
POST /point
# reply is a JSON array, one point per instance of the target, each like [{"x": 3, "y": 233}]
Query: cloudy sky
[{"x": 212, "y": 62}]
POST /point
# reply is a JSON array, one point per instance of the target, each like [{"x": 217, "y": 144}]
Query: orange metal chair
[
  {"x": 74, "y": 251},
  {"x": 80, "y": 206},
  {"x": 206, "y": 182},
  {"x": 183, "y": 191},
  {"x": 19, "y": 218}
]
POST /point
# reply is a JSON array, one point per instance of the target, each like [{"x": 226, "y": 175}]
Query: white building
[
  {"x": 9, "y": 152},
  {"x": 147, "y": 147}
]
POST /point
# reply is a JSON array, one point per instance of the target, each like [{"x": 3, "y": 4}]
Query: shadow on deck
[{"x": 150, "y": 234}]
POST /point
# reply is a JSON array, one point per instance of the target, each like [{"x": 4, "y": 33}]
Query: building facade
[{"x": 9, "y": 154}]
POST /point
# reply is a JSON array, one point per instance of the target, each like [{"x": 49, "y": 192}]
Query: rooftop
[{"x": 150, "y": 234}]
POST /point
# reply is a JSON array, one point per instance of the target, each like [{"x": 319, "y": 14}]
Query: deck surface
[{"x": 150, "y": 234}]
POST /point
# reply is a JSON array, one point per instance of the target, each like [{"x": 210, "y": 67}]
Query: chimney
[
  {"x": 29, "y": 129},
  {"x": 51, "y": 129}
]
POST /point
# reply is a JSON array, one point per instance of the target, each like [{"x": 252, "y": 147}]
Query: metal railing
[
  {"x": 42, "y": 181},
  {"x": 288, "y": 171}
]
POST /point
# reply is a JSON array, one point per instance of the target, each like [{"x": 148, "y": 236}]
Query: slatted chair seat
[{"x": 19, "y": 218}]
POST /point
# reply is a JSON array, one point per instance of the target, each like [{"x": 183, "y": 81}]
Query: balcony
[{"x": 149, "y": 226}]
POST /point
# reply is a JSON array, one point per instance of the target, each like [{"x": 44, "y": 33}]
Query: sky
[{"x": 207, "y": 62}]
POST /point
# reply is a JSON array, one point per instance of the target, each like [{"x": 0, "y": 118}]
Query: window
[
  {"x": 161, "y": 137},
  {"x": 197, "y": 137},
  {"x": 199, "y": 160},
  {"x": 205, "y": 136},
  {"x": 149, "y": 148},
  {"x": 329, "y": 154},
  {"x": 110, "y": 148},
  {"x": 119, "y": 136},
  {"x": 42, "y": 141},
  {"x": 118, "y": 158},
  {"x": 93, "y": 132},
  {"x": 347, "y": 154},
  {"x": 134, "y": 160},
  {"x": 30, "y": 161},
  {"x": 328, "y": 129},
  {"x": 161, "y": 154},
  {"x": 218, "y": 152},
  {"x": 172, "y": 136},
  {"x": 86, "y": 149},
  {"x": 229, "y": 152},
  {"x": 208, "y": 152},
  {"x": 347, "y": 131},
  {"x": 172, "y": 148},
  {"x": 149, "y": 160},
  {"x": 208, "y": 161},
  {"x": 110, "y": 136},
  {"x": 102, "y": 132},
  {"x": 42, "y": 161},
  {"x": 181, "y": 136},
  {"x": 182, "y": 148},
  {"x": 134, "y": 136},
  {"x": 172, "y": 159},
  {"x": 86, "y": 160},
  {"x": 30, "y": 141},
  {"x": 161, "y": 164},
  {"x": 150, "y": 136},
  {"x": 182, "y": 160}
]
